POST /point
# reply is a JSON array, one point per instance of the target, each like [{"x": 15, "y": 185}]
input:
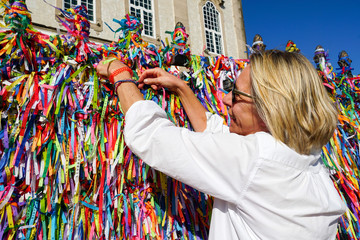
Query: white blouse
[{"x": 262, "y": 189}]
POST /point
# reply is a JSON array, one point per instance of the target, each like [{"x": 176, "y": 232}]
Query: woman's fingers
[
  {"x": 107, "y": 66},
  {"x": 155, "y": 87},
  {"x": 148, "y": 73},
  {"x": 158, "y": 78},
  {"x": 101, "y": 68},
  {"x": 150, "y": 81},
  {"x": 155, "y": 83}
]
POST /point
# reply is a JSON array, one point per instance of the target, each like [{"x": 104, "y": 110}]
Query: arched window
[
  {"x": 144, "y": 10},
  {"x": 88, "y": 3},
  {"x": 212, "y": 28}
]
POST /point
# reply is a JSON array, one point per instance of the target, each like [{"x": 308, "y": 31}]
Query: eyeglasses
[{"x": 238, "y": 92}]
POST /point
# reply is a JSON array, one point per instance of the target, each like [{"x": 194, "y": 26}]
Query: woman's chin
[{"x": 233, "y": 129}]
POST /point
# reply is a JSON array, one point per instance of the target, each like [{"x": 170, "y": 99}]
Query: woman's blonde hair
[{"x": 291, "y": 100}]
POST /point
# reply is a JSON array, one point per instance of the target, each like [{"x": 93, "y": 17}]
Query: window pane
[
  {"x": 66, "y": 4},
  {"x": 212, "y": 28},
  {"x": 146, "y": 18},
  {"x": 218, "y": 43},
  {"x": 211, "y": 17},
  {"x": 148, "y": 4},
  {"x": 142, "y": 9},
  {"x": 209, "y": 41},
  {"x": 89, "y": 4}
]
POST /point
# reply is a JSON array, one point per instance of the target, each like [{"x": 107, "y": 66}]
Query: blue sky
[{"x": 333, "y": 24}]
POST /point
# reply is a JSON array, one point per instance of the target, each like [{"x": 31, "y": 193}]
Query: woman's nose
[{"x": 227, "y": 99}]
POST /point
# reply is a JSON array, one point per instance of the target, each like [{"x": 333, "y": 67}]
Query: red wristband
[{"x": 118, "y": 71}]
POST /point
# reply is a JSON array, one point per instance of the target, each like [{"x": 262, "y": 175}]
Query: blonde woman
[{"x": 264, "y": 170}]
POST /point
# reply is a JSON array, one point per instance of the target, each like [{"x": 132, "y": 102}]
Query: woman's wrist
[
  {"x": 115, "y": 70},
  {"x": 120, "y": 73},
  {"x": 122, "y": 81},
  {"x": 121, "y": 76},
  {"x": 181, "y": 88}
]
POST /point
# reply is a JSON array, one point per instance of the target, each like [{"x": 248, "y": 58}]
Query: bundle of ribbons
[
  {"x": 341, "y": 154},
  {"x": 65, "y": 170}
]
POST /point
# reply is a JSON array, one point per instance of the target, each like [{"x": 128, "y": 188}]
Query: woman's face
[{"x": 244, "y": 117}]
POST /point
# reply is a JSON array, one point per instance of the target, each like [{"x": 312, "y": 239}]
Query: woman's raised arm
[
  {"x": 127, "y": 92},
  {"x": 158, "y": 78}
]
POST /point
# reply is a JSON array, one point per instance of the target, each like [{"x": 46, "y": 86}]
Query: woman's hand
[
  {"x": 127, "y": 92},
  {"x": 106, "y": 67},
  {"x": 157, "y": 78}
]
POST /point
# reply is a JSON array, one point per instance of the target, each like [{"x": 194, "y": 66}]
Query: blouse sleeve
[
  {"x": 217, "y": 164},
  {"x": 215, "y": 124}
]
